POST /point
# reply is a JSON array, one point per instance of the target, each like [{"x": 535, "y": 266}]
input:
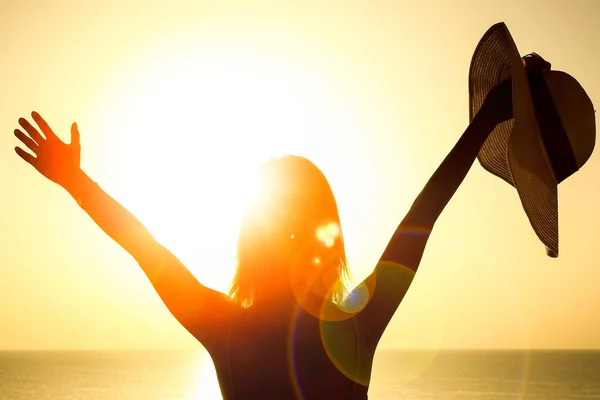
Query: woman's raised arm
[
  {"x": 393, "y": 274},
  {"x": 199, "y": 309}
]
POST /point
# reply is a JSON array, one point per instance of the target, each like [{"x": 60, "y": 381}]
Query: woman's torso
[{"x": 292, "y": 356}]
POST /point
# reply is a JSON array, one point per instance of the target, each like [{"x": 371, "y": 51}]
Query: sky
[{"x": 178, "y": 102}]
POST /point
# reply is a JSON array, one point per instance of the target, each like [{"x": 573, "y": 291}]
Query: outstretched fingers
[
  {"x": 43, "y": 125},
  {"x": 26, "y": 156},
  {"x": 31, "y": 130},
  {"x": 26, "y": 140},
  {"x": 75, "y": 135}
]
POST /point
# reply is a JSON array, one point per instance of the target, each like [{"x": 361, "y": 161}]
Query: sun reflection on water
[{"x": 207, "y": 385}]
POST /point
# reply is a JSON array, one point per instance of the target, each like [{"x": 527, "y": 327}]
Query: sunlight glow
[
  {"x": 191, "y": 123},
  {"x": 208, "y": 384}
]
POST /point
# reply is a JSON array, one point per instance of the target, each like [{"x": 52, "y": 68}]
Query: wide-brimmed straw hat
[{"x": 551, "y": 135}]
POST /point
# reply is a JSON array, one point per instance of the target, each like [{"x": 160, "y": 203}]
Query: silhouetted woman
[{"x": 288, "y": 329}]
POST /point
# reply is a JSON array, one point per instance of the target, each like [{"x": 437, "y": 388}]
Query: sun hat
[{"x": 550, "y": 136}]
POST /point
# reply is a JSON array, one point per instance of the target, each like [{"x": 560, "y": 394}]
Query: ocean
[{"x": 397, "y": 374}]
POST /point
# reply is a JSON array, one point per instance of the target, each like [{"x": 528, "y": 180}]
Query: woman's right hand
[
  {"x": 498, "y": 103},
  {"x": 54, "y": 159}
]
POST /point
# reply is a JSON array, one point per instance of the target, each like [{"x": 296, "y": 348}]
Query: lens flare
[
  {"x": 328, "y": 234},
  {"x": 335, "y": 332},
  {"x": 356, "y": 300}
]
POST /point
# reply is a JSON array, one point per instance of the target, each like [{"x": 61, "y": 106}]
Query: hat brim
[{"x": 514, "y": 151}]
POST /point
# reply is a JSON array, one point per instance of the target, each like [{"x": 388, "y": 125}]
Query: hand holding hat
[
  {"x": 498, "y": 102},
  {"x": 534, "y": 63},
  {"x": 549, "y": 135}
]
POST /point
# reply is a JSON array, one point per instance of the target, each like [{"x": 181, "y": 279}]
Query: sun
[{"x": 187, "y": 125}]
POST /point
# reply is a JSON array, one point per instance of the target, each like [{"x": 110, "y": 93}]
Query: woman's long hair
[{"x": 291, "y": 229}]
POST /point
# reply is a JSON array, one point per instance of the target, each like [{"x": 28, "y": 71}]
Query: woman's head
[{"x": 290, "y": 238}]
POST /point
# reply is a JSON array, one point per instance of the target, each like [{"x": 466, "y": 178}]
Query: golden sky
[{"x": 178, "y": 101}]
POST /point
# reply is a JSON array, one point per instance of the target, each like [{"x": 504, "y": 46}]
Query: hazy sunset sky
[{"x": 178, "y": 102}]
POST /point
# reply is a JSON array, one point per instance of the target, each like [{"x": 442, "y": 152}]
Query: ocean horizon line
[{"x": 400, "y": 349}]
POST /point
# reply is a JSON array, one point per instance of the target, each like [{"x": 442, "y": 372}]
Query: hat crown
[
  {"x": 544, "y": 143},
  {"x": 576, "y": 113}
]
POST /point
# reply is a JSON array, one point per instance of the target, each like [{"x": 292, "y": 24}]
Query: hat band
[{"x": 556, "y": 140}]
